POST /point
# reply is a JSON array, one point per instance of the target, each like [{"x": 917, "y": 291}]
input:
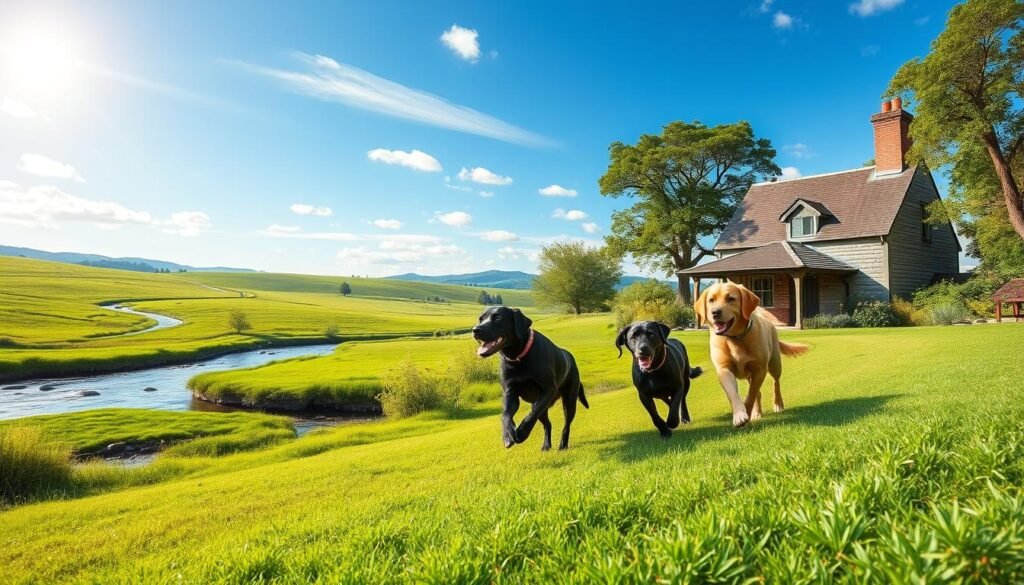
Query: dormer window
[
  {"x": 804, "y": 218},
  {"x": 802, "y": 227}
]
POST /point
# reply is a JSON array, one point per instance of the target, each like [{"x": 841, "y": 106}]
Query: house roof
[
  {"x": 1011, "y": 291},
  {"x": 863, "y": 206},
  {"x": 814, "y": 206},
  {"x": 772, "y": 257}
]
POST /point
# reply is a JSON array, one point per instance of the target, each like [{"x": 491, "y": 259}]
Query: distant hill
[
  {"x": 513, "y": 279},
  {"x": 100, "y": 261}
]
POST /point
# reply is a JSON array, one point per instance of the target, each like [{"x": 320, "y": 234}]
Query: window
[
  {"x": 926, "y": 228},
  {"x": 801, "y": 227},
  {"x": 764, "y": 288}
]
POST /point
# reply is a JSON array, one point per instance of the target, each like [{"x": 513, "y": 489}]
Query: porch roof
[
  {"x": 772, "y": 258},
  {"x": 1011, "y": 292}
]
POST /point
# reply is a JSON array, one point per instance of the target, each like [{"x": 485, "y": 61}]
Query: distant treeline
[{"x": 126, "y": 265}]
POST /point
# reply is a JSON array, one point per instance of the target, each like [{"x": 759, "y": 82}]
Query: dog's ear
[
  {"x": 522, "y": 324},
  {"x": 700, "y": 307},
  {"x": 665, "y": 331},
  {"x": 621, "y": 339},
  {"x": 748, "y": 302}
]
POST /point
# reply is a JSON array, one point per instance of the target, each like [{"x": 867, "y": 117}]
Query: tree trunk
[
  {"x": 683, "y": 294},
  {"x": 1011, "y": 193}
]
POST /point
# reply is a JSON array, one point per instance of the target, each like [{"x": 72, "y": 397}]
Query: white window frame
[
  {"x": 793, "y": 222},
  {"x": 770, "y": 289}
]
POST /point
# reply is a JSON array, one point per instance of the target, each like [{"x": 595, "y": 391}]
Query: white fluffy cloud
[
  {"x": 870, "y": 7},
  {"x": 13, "y": 107},
  {"x": 571, "y": 215},
  {"x": 790, "y": 173},
  {"x": 557, "y": 191},
  {"x": 782, "y": 20},
  {"x": 187, "y": 223},
  {"x": 416, "y": 160},
  {"x": 591, "y": 227},
  {"x": 304, "y": 209},
  {"x": 463, "y": 42},
  {"x": 388, "y": 224},
  {"x": 44, "y": 166},
  {"x": 454, "y": 218},
  {"x": 483, "y": 176},
  {"x": 499, "y": 236},
  {"x": 766, "y": 5}
]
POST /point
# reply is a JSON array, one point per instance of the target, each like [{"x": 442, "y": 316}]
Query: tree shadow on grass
[{"x": 646, "y": 443}]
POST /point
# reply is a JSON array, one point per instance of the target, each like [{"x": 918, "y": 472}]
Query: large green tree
[
  {"x": 686, "y": 183},
  {"x": 968, "y": 95},
  {"x": 576, "y": 278}
]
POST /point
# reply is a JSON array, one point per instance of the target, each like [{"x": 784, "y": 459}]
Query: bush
[
  {"x": 409, "y": 390},
  {"x": 30, "y": 465},
  {"x": 840, "y": 321},
  {"x": 466, "y": 366},
  {"x": 975, "y": 294},
  {"x": 908, "y": 315},
  {"x": 332, "y": 330},
  {"x": 650, "y": 301},
  {"x": 875, "y": 314},
  {"x": 950, "y": 313}
]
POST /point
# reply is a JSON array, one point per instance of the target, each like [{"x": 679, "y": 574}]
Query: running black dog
[
  {"x": 532, "y": 369},
  {"x": 661, "y": 370}
]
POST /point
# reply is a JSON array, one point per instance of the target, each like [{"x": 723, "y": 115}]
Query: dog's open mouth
[
  {"x": 489, "y": 347},
  {"x": 722, "y": 326},
  {"x": 645, "y": 361}
]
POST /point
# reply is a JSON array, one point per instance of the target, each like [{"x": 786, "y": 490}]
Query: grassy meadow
[{"x": 900, "y": 458}]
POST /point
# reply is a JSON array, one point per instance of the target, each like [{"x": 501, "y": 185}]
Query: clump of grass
[
  {"x": 30, "y": 465},
  {"x": 471, "y": 368},
  {"x": 332, "y": 330},
  {"x": 949, "y": 313},
  {"x": 409, "y": 390},
  {"x": 838, "y": 321}
]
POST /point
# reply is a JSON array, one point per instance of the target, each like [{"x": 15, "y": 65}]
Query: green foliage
[
  {"x": 687, "y": 182},
  {"x": 332, "y": 330},
  {"x": 238, "y": 320},
  {"x": 576, "y": 278},
  {"x": 650, "y": 300},
  {"x": 345, "y": 289},
  {"x": 837, "y": 321},
  {"x": 876, "y": 314},
  {"x": 30, "y": 464},
  {"x": 974, "y": 295},
  {"x": 410, "y": 390},
  {"x": 949, "y": 314}
]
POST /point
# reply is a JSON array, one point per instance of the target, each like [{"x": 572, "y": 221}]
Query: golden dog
[{"x": 744, "y": 345}]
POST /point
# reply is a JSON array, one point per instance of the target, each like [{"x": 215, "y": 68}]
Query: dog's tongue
[
  {"x": 487, "y": 346},
  {"x": 721, "y": 327},
  {"x": 645, "y": 362}
]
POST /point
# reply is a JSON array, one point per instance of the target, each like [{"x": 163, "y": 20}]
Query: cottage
[{"x": 820, "y": 244}]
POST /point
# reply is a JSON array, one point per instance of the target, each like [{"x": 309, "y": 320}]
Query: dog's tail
[
  {"x": 583, "y": 398},
  {"x": 694, "y": 372},
  {"x": 793, "y": 349}
]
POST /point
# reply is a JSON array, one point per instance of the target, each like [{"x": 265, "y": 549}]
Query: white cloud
[
  {"x": 571, "y": 215},
  {"x": 486, "y": 193},
  {"x": 799, "y": 150},
  {"x": 283, "y": 229},
  {"x": 399, "y": 251},
  {"x": 187, "y": 223},
  {"x": 388, "y": 224},
  {"x": 782, "y": 20},
  {"x": 304, "y": 209},
  {"x": 13, "y": 107},
  {"x": 766, "y": 6},
  {"x": 329, "y": 80},
  {"x": 416, "y": 160},
  {"x": 790, "y": 173},
  {"x": 870, "y": 7},
  {"x": 591, "y": 227},
  {"x": 44, "y": 166},
  {"x": 463, "y": 42},
  {"x": 510, "y": 253},
  {"x": 483, "y": 176},
  {"x": 499, "y": 236},
  {"x": 454, "y": 218},
  {"x": 869, "y": 50},
  {"x": 557, "y": 191},
  {"x": 464, "y": 188}
]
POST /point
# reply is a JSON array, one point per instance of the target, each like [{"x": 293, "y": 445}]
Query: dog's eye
[
  {"x": 730, "y": 299},
  {"x": 497, "y": 317}
]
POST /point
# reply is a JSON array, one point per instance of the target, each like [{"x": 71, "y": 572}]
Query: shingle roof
[
  {"x": 863, "y": 205},
  {"x": 1011, "y": 291},
  {"x": 774, "y": 256}
]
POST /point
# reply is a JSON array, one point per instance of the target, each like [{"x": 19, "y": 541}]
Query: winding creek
[{"x": 162, "y": 321}]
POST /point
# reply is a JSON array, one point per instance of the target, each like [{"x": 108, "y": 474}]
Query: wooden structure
[{"x": 1012, "y": 293}]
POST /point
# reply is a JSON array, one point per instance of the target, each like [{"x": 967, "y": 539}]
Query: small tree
[
  {"x": 498, "y": 300},
  {"x": 650, "y": 300},
  {"x": 239, "y": 321},
  {"x": 576, "y": 278},
  {"x": 345, "y": 289},
  {"x": 483, "y": 298}
]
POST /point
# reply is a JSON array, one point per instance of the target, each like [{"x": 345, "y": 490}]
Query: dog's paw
[
  {"x": 521, "y": 436},
  {"x": 740, "y": 418},
  {"x": 755, "y": 415},
  {"x": 672, "y": 422},
  {"x": 546, "y": 446},
  {"x": 685, "y": 420},
  {"x": 509, "y": 437},
  {"x": 665, "y": 433},
  {"x": 779, "y": 407}
]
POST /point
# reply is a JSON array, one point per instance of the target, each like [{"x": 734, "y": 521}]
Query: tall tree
[
  {"x": 345, "y": 289},
  {"x": 576, "y": 278},
  {"x": 686, "y": 182},
  {"x": 969, "y": 92}
]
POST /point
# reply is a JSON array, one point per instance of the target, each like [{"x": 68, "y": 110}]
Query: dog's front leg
[
  {"x": 732, "y": 392},
  {"x": 508, "y": 426},
  {"x": 652, "y": 410},
  {"x": 531, "y": 418},
  {"x": 674, "y": 409}
]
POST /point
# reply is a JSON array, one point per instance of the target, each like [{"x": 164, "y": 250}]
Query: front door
[{"x": 810, "y": 295}]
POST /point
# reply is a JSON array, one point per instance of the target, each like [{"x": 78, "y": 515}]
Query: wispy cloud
[
  {"x": 571, "y": 215},
  {"x": 306, "y": 209},
  {"x": 463, "y": 42},
  {"x": 483, "y": 176},
  {"x": 766, "y": 6},
  {"x": 290, "y": 231},
  {"x": 388, "y": 224},
  {"x": 790, "y": 173},
  {"x": 13, "y": 107},
  {"x": 329, "y": 80},
  {"x": 171, "y": 91},
  {"x": 454, "y": 218},
  {"x": 869, "y": 50},
  {"x": 486, "y": 193},
  {"x": 187, "y": 223},
  {"x": 416, "y": 160},
  {"x": 44, "y": 166},
  {"x": 557, "y": 191},
  {"x": 499, "y": 236},
  {"x": 782, "y": 20},
  {"x": 922, "y": 20},
  {"x": 799, "y": 150},
  {"x": 591, "y": 227},
  {"x": 871, "y": 7}
]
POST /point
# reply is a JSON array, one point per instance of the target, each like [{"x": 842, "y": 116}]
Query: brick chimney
[{"x": 891, "y": 138}]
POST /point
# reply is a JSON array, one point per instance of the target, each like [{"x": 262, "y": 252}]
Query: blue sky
[{"x": 386, "y": 137}]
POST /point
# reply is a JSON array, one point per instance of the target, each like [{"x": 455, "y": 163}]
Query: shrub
[
  {"x": 949, "y": 313},
  {"x": 239, "y": 320},
  {"x": 409, "y": 390},
  {"x": 8, "y": 342},
  {"x": 975, "y": 294},
  {"x": 875, "y": 314},
  {"x": 908, "y": 314},
  {"x": 332, "y": 330},
  {"x": 650, "y": 301},
  {"x": 468, "y": 367},
  {"x": 30, "y": 465},
  {"x": 839, "y": 321}
]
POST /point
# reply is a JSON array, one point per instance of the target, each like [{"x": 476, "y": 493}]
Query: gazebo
[{"x": 1013, "y": 293}]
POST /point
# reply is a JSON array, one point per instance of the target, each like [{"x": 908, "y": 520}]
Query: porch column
[
  {"x": 999, "y": 311},
  {"x": 798, "y": 281}
]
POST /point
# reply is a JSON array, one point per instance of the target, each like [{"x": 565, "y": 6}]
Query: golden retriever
[{"x": 744, "y": 345}]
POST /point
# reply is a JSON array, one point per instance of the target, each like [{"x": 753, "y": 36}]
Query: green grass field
[
  {"x": 50, "y": 323},
  {"x": 900, "y": 458}
]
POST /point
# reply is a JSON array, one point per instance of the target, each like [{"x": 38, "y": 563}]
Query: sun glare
[{"x": 40, "y": 60}]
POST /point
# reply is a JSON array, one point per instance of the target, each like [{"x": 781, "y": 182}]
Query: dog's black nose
[
  {"x": 476, "y": 330},
  {"x": 716, "y": 313}
]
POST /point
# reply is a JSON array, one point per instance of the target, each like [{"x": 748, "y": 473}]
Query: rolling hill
[
  {"x": 101, "y": 261},
  {"x": 512, "y": 279}
]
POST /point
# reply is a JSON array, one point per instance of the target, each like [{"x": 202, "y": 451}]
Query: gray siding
[
  {"x": 831, "y": 295},
  {"x": 912, "y": 261},
  {"x": 867, "y": 254}
]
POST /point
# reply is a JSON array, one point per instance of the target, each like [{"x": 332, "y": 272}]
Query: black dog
[
  {"x": 532, "y": 369},
  {"x": 661, "y": 370}
]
